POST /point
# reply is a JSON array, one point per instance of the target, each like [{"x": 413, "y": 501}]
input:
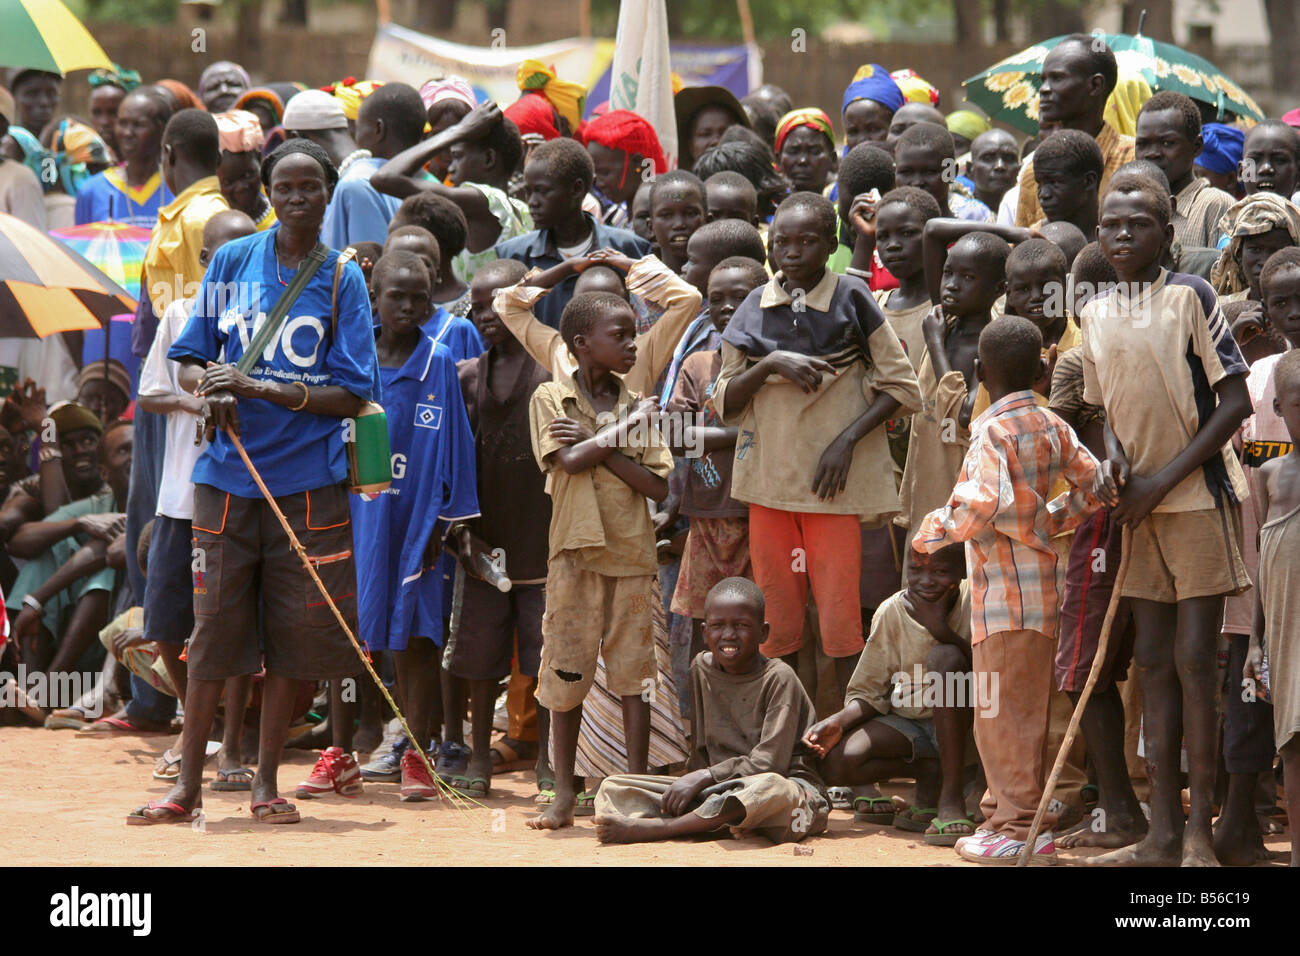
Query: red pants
[{"x": 791, "y": 550}]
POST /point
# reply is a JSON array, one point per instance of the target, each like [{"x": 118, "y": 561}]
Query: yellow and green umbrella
[
  {"x": 45, "y": 35},
  {"x": 1008, "y": 90}
]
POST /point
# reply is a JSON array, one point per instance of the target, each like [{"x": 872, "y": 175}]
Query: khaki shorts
[
  {"x": 589, "y": 615},
  {"x": 1178, "y": 555}
]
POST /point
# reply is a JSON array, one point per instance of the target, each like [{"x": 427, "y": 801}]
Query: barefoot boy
[
  {"x": 888, "y": 726},
  {"x": 602, "y": 561},
  {"x": 1001, "y": 507},
  {"x": 1277, "y": 615},
  {"x": 810, "y": 370},
  {"x": 1158, "y": 356},
  {"x": 748, "y": 769}
]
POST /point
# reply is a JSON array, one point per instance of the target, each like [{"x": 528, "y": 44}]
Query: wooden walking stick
[
  {"x": 444, "y": 791},
  {"x": 1070, "y": 731}
]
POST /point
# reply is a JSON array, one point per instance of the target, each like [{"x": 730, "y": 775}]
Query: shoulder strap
[
  {"x": 271, "y": 327},
  {"x": 344, "y": 258}
]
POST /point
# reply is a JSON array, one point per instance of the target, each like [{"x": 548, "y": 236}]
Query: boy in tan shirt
[{"x": 604, "y": 457}]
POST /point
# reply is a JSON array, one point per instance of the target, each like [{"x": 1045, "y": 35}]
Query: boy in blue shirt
[{"x": 400, "y": 593}]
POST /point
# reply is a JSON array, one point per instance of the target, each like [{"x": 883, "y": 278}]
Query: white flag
[{"x": 641, "y": 80}]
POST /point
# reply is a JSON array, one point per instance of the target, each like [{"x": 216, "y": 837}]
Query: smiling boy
[
  {"x": 748, "y": 770},
  {"x": 810, "y": 371}
]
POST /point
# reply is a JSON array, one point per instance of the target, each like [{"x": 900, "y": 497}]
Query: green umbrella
[
  {"x": 44, "y": 35},
  {"x": 1008, "y": 91}
]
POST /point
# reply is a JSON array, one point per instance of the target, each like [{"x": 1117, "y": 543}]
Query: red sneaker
[
  {"x": 416, "y": 782},
  {"x": 334, "y": 771}
]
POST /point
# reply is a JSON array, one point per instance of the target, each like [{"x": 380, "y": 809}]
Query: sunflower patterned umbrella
[{"x": 1008, "y": 90}]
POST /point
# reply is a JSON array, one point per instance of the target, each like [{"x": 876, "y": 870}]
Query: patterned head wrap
[
  {"x": 124, "y": 79},
  {"x": 1253, "y": 216},
  {"x": 266, "y": 95},
  {"x": 915, "y": 88},
  {"x": 34, "y": 154},
  {"x": 450, "y": 87},
  {"x": 350, "y": 91},
  {"x": 76, "y": 147},
  {"x": 873, "y": 82},
  {"x": 533, "y": 76},
  {"x": 240, "y": 131},
  {"x": 808, "y": 116}
]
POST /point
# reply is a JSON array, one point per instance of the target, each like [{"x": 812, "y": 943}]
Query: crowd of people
[{"x": 962, "y": 418}]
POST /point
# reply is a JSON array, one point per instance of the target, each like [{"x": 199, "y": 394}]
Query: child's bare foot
[
  {"x": 1198, "y": 849},
  {"x": 1149, "y": 852},
  {"x": 1112, "y": 833},
  {"x": 620, "y": 829},
  {"x": 556, "y": 816}
]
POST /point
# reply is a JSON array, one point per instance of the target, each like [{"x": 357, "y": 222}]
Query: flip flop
[
  {"x": 119, "y": 725},
  {"x": 870, "y": 814},
  {"x": 168, "y": 766},
  {"x": 224, "y": 783},
  {"x": 940, "y": 836},
  {"x": 545, "y": 797},
  {"x": 470, "y": 786},
  {"x": 175, "y": 814},
  {"x": 911, "y": 818},
  {"x": 66, "y": 720},
  {"x": 288, "y": 815},
  {"x": 586, "y": 806},
  {"x": 505, "y": 758}
]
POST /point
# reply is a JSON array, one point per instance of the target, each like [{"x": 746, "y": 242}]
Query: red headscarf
[
  {"x": 625, "y": 130},
  {"x": 185, "y": 97},
  {"x": 533, "y": 113}
]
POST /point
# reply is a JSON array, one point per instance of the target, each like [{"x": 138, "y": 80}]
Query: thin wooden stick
[
  {"x": 445, "y": 792},
  {"x": 1070, "y": 731}
]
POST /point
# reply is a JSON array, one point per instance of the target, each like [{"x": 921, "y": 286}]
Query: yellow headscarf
[
  {"x": 566, "y": 97},
  {"x": 1131, "y": 91},
  {"x": 350, "y": 92}
]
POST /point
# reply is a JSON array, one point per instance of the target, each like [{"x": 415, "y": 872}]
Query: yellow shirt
[
  {"x": 594, "y": 512},
  {"x": 171, "y": 263}
]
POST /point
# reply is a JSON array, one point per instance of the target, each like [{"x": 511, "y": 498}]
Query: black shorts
[
  {"x": 247, "y": 566},
  {"x": 489, "y": 623},
  {"x": 168, "y": 590}
]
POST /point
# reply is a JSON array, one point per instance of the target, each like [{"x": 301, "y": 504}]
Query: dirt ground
[{"x": 72, "y": 813}]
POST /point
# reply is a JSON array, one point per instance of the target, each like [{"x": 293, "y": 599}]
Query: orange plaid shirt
[{"x": 1000, "y": 508}]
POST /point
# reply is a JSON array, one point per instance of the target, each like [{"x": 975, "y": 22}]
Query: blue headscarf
[
  {"x": 873, "y": 82},
  {"x": 34, "y": 155},
  {"x": 1223, "y": 147}
]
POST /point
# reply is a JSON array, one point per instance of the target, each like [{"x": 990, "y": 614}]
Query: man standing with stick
[{"x": 291, "y": 406}]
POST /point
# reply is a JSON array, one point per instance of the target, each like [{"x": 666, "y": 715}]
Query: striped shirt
[
  {"x": 1199, "y": 207},
  {"x": 1000, "y": 508}
]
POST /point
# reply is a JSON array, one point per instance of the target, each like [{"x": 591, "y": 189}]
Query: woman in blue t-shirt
[{"x": 253, "y": 599}]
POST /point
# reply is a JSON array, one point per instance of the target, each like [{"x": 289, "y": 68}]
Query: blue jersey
[
  {"x": 106, "y": 197},
  {"x": 399, "y": 594},
  {"x": 294, "y": 451},
  {"x": 458, "y": 334}
]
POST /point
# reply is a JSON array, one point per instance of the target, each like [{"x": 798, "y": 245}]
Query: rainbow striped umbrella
[
  {"x": 115, "y": 248},
  {"x": 45, "y": 287},
  {"x": 45, "y": 35}
]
